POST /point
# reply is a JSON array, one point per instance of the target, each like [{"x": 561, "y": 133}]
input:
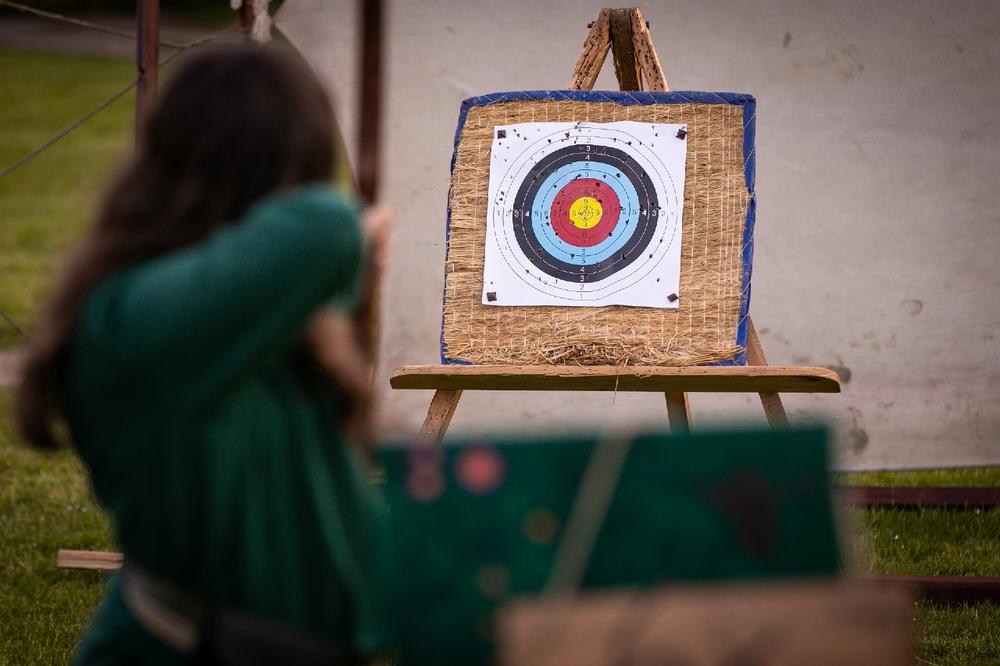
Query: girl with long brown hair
[{"x": 195, "y": 351}]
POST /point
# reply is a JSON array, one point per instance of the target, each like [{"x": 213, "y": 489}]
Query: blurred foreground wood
[{"x": 779, "y": 623}]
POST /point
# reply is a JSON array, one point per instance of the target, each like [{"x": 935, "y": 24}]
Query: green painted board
[{"x": 478, "y": 522}]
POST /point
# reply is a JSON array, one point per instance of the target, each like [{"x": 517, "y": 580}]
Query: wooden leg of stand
[
  {"x": 438, "y": 416},
  {"x": 678, "y": 413},
  {"x": 773, "y": 408}
]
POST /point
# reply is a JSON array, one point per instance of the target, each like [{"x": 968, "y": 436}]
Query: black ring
[{"x": 633, "y": 248}]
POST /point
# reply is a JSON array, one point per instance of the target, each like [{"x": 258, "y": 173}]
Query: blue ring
[{"x": 628, "y": 200}]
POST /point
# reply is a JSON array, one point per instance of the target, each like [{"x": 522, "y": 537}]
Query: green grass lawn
[
  {"x": 45, "y": 505},
  {"x": 44, "y": 501},
  {"x": 934, "y": 542},
  {"x": 46, "y": 203}
]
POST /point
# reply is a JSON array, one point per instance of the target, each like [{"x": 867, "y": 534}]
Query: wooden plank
[
  {"x": 623, "y": 49},
  {"x": 93, "y": 560},
  {"x": 645, "y": 54},
  {"x": 944, "y": 589},
  {"x": 774, "y": 409},
  {"x": 595, "y": 51},
  {"x": 678, "y": 412},
  {"x": 439, "y": 414},
  {"x": 917, "y": 497},
  {"x": 696, "y": 379}
]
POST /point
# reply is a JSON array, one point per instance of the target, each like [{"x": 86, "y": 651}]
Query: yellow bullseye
[{"x": 585, "y": 212}]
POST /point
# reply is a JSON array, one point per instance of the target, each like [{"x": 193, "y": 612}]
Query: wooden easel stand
[{"x": 625, "y": 33}]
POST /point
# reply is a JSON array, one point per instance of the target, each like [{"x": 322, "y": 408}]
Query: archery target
[{"x": 585, "y": 214}]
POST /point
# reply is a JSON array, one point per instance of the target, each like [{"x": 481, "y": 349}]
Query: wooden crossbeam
[{"x": 693, "y": 379}]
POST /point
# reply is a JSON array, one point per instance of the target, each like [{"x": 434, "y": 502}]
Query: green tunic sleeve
[{"x": 236, "y": 301}]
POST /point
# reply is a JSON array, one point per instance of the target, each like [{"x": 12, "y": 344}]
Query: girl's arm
[{"x": 234, "y": 301}]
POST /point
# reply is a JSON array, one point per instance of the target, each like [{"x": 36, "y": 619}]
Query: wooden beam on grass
[
  {"x": 944, "y": 589},
  {"x": 922, "y": 497},
  {"x": 93, "y": 560}
]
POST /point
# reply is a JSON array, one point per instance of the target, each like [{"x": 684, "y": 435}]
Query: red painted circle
[
  {"x": 585, "y": 187},
  {"x": 479, "y": 469}
]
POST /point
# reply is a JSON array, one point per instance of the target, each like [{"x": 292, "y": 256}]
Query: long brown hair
[{"x": 234, "y": 125}]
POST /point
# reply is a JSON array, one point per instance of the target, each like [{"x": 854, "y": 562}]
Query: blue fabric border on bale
[{"x": 749, "y": 105}]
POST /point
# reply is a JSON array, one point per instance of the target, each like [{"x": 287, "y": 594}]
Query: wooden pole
[
  {"x": 147, "y": 57},
  {"x": 370, "y": 99},
  {"x": 369, "y": 117},
  {"x": 247, "y": 16}
]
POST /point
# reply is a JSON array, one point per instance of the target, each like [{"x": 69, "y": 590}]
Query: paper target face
[{"x": 585, "y": 214}]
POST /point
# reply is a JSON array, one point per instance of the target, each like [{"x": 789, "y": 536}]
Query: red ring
[{"x": 584, "y": 187}]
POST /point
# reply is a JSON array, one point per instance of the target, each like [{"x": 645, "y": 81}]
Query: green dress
[{"x": 222, "y": 470}]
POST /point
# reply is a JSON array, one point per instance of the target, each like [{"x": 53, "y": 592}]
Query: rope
[
  {"x": 103, "y": 105},
  {"x": 181, "y": 48},
  {"x": 66, "y": 130},
  {"x": 62, "y": 18},
  {"x": 13, "y": 322}
]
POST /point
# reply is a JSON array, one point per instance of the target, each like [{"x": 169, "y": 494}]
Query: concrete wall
[{"x": 878, "y": 227}]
